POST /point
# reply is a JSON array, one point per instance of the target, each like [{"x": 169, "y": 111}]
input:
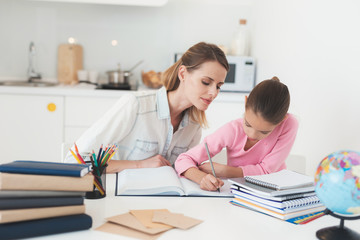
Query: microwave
[{"x": 241, "y": 75}]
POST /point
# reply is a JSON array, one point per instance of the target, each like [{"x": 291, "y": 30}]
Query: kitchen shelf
[{"x": 149, "y": 3}]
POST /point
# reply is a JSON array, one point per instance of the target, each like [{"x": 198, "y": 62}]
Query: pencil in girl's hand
[{"x": 211, "y": 163}]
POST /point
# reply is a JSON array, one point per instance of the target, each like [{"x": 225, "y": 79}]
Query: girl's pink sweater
[{"x": 266, "y": 156}]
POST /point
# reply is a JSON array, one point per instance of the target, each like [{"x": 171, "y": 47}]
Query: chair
[
  {"x": 65, "y": 149},
  {"x": 296, "y": 163}
]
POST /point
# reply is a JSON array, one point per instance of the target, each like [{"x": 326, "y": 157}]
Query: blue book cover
[
  {"x": 45, "y": 226},
  {"x": 38, "y": 202},
  {"x": 46, "y": 168}
]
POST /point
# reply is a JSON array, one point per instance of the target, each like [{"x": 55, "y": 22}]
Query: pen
[{"x": 212, "y": 166}]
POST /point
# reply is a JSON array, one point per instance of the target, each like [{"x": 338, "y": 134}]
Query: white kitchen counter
[{"x": 86, "y": 90}]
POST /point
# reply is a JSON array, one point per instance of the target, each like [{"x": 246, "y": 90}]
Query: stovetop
[{"x": 118, "y": 86}]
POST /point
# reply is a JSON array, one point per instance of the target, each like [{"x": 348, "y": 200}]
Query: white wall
[
  {"x": 314, "y": 47},
  {"x": 153, "y": 34}
]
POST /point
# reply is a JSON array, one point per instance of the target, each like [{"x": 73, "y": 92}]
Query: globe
[{"x": 337, "y": 182}]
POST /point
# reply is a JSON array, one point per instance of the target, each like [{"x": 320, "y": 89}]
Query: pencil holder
[
  {"x": 99, "y": 186},
  {"x": 99, "y": 164}
]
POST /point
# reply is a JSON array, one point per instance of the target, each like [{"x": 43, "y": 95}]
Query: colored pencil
[
  {"x": 77, "y": 159},
  {"x": 211, "y": 163}
]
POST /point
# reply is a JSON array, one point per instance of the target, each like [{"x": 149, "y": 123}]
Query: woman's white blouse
[{"x": 140, "y": 125}]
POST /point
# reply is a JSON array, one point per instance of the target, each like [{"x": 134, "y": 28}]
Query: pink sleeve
[
  {"x": 221, "y": 138},
  {"x": 275, "y": 160}
]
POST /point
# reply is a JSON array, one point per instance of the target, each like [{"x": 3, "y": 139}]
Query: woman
[{"x": 154, "y": 127}]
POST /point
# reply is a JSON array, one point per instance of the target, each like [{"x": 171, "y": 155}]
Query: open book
[{"x": 162, "y": 181}]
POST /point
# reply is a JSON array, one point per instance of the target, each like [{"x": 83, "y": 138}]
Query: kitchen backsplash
[{"x": 111, "y": 34}]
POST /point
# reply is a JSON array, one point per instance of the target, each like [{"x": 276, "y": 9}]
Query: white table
[{"x": 221, "y": 219}]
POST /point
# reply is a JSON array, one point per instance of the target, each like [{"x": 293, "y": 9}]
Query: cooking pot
[{"x": 117, "y": 77}]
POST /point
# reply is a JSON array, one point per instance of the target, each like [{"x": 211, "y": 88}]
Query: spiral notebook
[
  {"x": 293, "y": 203},
  {"x": 284, "y": 179}
]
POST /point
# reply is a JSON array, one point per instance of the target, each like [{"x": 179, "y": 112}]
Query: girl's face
[
  {"x": 201, "y": 86},
  {"x": 255, "y": 127}
]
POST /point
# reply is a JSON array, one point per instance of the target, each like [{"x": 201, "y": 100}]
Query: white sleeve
[{"x": 116, "y": 123}]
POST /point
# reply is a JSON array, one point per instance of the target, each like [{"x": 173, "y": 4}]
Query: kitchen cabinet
[
  {"x": 82, "y": 112},
  {"x": 36, "y": 121},
  {"x": 31, "y": 127}
]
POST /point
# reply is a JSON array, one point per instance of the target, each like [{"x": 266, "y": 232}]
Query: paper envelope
[
  {"x": 175, "y": 219},
  {"x": 131, "y": 221}
]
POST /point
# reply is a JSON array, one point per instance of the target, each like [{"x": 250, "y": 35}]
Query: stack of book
[
  {"x": 284, "y": 194},
  {"x": 41, "y": 198}
]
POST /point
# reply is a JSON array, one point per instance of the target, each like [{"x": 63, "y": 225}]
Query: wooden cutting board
[{"x": 70, "y": 60}]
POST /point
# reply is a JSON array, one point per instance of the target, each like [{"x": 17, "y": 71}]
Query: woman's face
[
  {"x": 201, "y": 86},
  {"x": 255, "y": 127}
]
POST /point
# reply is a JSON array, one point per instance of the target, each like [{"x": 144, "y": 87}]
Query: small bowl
[{"x": 151, "y": 79}]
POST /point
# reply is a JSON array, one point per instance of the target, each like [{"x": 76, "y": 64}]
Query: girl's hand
[
  {"x": 210, "y": 183},
  {"x": 153, "y": 162}
]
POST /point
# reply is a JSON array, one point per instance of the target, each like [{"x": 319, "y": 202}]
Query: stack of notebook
[
  {"x": 284, "y": 194},
  {"x": 41, "y": 198}
]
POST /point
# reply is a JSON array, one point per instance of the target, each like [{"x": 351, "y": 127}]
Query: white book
[
  {"x": 274, "y": 198},
  {"x": 293, "y": 203},
  {"x": 291, "y": 207},
  {"x": 284, "y": 179},
  {"x": 161, "y": 181},
  {"x": 264, "y": 191},
  {"x": 284, "y": 216}
]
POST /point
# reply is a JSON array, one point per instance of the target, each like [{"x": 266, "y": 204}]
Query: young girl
[
  {"x": 257, "y": 144},
  {"x": 151, "y": 128}
]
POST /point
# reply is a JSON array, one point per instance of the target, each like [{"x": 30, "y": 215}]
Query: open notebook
[{"x": 162, "y": 181}]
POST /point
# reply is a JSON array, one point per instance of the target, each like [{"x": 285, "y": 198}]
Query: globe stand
[{"x": 338, "y": 232}]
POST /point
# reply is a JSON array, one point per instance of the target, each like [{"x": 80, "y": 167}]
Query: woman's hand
[
  {"x": 210, "y": 183},
  {"x": 153, "y": 162}
]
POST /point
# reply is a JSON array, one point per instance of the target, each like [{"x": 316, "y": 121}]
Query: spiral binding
[
  {"x": 262, "y": 183},
  {"x": 301, "y": 202}
]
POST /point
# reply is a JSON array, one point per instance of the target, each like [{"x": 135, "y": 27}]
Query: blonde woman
[{"x": 151, "y": 128}]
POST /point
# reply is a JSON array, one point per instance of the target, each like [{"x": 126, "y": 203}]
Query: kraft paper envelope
[
  {"x": 130, "y": 221},
  {"x": 175, "y": 220},
  {"x": 125, "y": 231},
  {"x": 145, "y": 217}
]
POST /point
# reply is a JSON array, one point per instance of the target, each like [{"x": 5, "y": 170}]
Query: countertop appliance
[{"x": 241, "y": 76}]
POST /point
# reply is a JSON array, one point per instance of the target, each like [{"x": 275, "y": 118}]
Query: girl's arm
[
  {"x": 222, "y": 171},
  {"x": 221, "y": 138}
]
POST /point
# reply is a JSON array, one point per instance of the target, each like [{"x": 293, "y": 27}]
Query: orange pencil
[{"x": 76, "y": 148}]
